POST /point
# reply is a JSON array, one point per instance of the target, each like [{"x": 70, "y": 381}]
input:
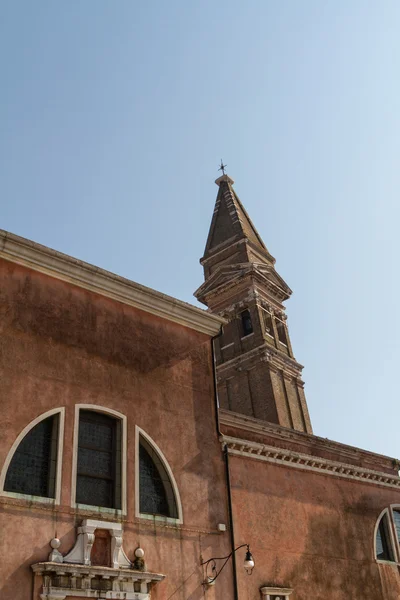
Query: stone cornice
[
  {"x": 61, "y": 266},
  {"x": 284, "y": 362},
  {"x": 61, "y": 581},
  {"x": 297, "y": 460},
  {"x": 267, "y": 353},
  {"x": 43, "y": 567},
  {"x": 272, "y": 430},
  {"x": 222, "y": 247},
  {"x": 235, "y": 274}
]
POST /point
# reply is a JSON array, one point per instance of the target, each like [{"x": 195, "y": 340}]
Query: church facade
[{"x": 150, "y": 449}]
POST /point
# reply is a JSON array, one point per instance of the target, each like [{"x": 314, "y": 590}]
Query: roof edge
[
  {"x": 61, "y": 266},
  {"x": 259, "y": 426}
]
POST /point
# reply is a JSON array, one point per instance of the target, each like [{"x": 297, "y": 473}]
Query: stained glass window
[
  {"x": 156, "y": 493},
  {"x": 99, "y": 460},
  {"x": 32, "y": 469}
]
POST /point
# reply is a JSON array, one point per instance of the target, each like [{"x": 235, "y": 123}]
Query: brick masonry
[{"x": 257, "y": 373}]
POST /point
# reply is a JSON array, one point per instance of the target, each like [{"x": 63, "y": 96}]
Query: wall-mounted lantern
[{"x": 211, "y": 571}]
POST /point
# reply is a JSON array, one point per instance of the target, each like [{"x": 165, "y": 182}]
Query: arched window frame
[
  {"x": 60, "y": 444},
  {"x": 394, "y": 548},
  {"x": 107, "y": 411},
  {"x": 177, "y": 521},
  {"x": 396, "y": 538}
]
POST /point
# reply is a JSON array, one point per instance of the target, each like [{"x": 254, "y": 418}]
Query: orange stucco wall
[
  {"x": 62, "y": 345},
  {"x": 310, "y": 532}
]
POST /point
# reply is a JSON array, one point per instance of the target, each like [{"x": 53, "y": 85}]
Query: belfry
[{"x": 258, "y": 375}]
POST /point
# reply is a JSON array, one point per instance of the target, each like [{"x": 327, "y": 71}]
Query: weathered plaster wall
[
  {"x": 310, "y": 532},
  {"x": 62, "y": 345}
]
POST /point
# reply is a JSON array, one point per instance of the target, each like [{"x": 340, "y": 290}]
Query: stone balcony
[
  {"x": 60, "y": 580},
  {"x": 75, "y": 576}
]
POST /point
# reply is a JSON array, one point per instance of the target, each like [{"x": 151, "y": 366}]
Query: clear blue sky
[{"x": 114, "y": 116}]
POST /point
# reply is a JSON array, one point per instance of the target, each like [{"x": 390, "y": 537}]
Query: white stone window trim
[
  {"x": 227, "y": 345},
  {"x": 267, "y": 592},
  {"x": 170, "y": 520},
  {"x": 81, "y": 551},
  {"x": 392, "y": 533},
  {"x": 60, "y": 444},
  {"x": 100, "y": 509},
  {"x": 244, "y": 337}
]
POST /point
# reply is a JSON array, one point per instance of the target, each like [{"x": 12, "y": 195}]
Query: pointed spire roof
[{"x": 230, "y": 221}]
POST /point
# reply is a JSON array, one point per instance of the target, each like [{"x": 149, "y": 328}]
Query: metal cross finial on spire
[{"x": 222, "y": 167}]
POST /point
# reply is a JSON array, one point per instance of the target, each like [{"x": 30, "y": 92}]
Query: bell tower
[{"x": 257, "y": 373}]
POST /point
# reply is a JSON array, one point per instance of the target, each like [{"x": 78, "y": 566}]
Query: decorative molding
[
  {"x": 268, "y": 300},
  {"x": 289, "y": 458},
  {"x": 74, "y": 575},
  {"x": 224, "y": 177},
  {"x": 61, "y": 266},
  {"x": 62, "y": 580},
  {"x": 81, "y": 552},
  {"x": 269, "y": 354},
  {"x": 278, "y": 432},
  {"x": 223, "y": 246},
  {"x": 277, "y": 593},
  {"x": 55, "y": 555},
  {"x": 227, "y": 276},
  {"x": 254, "y": 352}
]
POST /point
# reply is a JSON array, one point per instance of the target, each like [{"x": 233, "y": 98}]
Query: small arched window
[
  {"x": 383, "y": 541},
  {"x": 156, "y": 492},
  {"x": 33, "y": 466},
  {"x": 247, "y": 325}
]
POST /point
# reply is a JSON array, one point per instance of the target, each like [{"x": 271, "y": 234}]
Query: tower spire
[
  {"x": 230, "y": 221},
  {"x": 257, "y": 373}
]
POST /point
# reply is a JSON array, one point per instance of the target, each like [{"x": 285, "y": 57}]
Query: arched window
[
  {"x": 383, "y": 540},
  {"x": 98, "y": 474},
  {"x": 247, "y": 325},
  {"x": 157, "y": 493},
  {"x": 396, "y": 521},
  {"x": 32, "y": 469}
]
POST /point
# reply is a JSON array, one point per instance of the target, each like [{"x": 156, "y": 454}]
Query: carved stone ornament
[
  {"x": 80, "y": 581},
  {"x": 55, "y": 555},
  {"x": 275, "y": 593},
  {"x": 80, "y": 553},
  {"x": 74, "y": 575}
]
